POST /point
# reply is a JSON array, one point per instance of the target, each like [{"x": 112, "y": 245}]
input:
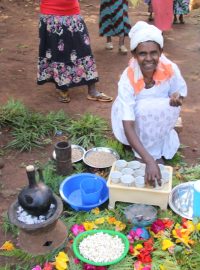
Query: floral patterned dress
[
  {"x": 65, "y": 55},
  {"x": 181, "y": 6}
]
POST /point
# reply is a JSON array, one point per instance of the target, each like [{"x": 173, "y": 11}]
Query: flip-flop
[
  {"x": 101, "y": 97},
  {"x": 64, "y": 97}
]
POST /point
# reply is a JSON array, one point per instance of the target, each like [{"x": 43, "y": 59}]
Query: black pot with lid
[{"x": 37, "y": 197}]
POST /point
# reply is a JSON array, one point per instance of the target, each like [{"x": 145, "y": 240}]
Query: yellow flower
[
  {"x": 166, "y": 244},
  {"x": 99, "y": 220},
  {"x": 182, "y": 236},
  {"x": 119, "y": 226},
  {"x": 95, "y": 211},
  {"x": 61, "y": 261},
  {"x": 162, "y": 267},
  {"x": 7, "y": 246},
  {"x": 198, "y": 227},
  {"x": 190, "y": 226},
  {"x": 89, "y": 225},
  {"x": 138, "y": 246},
  {"x": 111, "y": 220}
]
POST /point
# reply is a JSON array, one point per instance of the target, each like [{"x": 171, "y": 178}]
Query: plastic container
[
  {"x": 116, "y": 177},
  {"x": 71, "y": 194},
  {"x": 147, "y": 195},
  {"x": 141, "y": 215},
  {"x": 196, "y": 199},
  {"x": 91, "y": 190},
  {"x": 81, "y": 236}
]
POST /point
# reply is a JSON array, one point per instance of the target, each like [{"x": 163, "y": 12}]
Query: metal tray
[
  {"x": 181, "y": 200},
  {"x": 73, "y": 146},
  {"x": 99, "y": 149}
]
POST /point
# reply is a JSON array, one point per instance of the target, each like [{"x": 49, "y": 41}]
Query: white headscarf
[{"x": 142, "y": 32}]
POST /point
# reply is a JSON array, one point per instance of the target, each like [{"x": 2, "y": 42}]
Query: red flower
[
  {"x": 168, "y": 223},
  {"x": 48, "y": 266},
  {"x": 144, "y": 256},
  {"x": 93, "y": 267},
  {"x": 131, "y": 249},
  {"x": 89, "y": 267},
  {"x": 148, "y": 245},
  {"x": 158, "y": 226}
]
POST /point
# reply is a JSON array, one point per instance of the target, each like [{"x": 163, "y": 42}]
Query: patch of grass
[
  {"x": 88, "y": 130},
  {"x": 31, "y": 129},
  {"x": 177, "y": 160},
  {"x": 124, "y": 152},
  {"x": 8, "y": 227}
]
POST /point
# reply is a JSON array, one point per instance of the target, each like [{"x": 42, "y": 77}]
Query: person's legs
[
  {"x": 109, "y": 45},
  {"x": 122, "y": 48},
  {"x": 175, "y": 19},
  {"x": 150, "y": 10},
  {"x": 63, "y": 96},
  {"x": 95, "y": 95},
  {"x": 181, "y": 19}
]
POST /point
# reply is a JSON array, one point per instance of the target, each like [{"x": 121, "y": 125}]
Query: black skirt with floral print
[{"x": 65, "y": 55}]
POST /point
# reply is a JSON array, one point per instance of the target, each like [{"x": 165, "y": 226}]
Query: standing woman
[
  {"x": 65, "y": 55},
  {"x": 181, "y": 7},
  {"x": 163, "y": 14},
  {"x": 114, "y": 21}
]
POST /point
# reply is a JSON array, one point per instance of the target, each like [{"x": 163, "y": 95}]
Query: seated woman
[{"x": 150, "y": 93}]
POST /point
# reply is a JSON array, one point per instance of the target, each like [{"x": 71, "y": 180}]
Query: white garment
[
  {"x": 142, "y": 32},
  {"x": 154, "y": 117}
]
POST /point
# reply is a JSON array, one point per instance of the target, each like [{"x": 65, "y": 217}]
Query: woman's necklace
[{"x": 149, "y": 84}]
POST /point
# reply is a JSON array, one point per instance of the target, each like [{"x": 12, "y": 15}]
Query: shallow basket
[{"x": 83, "y": 235}]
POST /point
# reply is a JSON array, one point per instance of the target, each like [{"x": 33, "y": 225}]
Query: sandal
[
  {"x": 181, "y": 19},
  {"x": 123, "y": 50},
  {"x": 64, "y": 97},
  {"x": 100, "y": 97}
]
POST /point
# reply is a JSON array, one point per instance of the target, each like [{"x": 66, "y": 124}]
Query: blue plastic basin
[{"x": 70, "y": 191}]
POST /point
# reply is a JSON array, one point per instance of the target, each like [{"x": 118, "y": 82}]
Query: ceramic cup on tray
[
  {"x": 127, "y": 180},
  {"x": 139, "y": 181},
  {"x": 120, "y": 164},
  {"x": 115, "y": 177}
]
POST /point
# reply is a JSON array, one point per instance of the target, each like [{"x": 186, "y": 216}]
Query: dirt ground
[{"x": 18, "y": 54}]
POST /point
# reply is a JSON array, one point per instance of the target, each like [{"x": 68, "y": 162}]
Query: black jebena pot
[{"x": 37, "y": 197}]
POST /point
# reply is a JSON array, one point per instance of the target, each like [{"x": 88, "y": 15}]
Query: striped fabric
[{"x": 114, "y": 19}]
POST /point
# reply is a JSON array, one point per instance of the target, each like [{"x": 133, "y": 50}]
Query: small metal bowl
[
  {"x": 73, "y": 146},
  {"x": 100, "y": 150},
  {"x": 181, "y": 200}
]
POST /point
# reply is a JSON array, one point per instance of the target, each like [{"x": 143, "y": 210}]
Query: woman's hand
[
  {"x": 176, "y": 100},
  {"x": 152, "y": 173}
]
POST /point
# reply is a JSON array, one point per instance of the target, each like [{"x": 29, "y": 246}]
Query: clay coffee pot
[{"x": 37, "y": 197}]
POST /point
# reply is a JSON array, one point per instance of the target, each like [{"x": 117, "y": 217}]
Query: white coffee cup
[
  {"x": 139, "y": 172},
  {"x": 165, "y": 176},
  {"x": 139, "y": 181},
  {"x": 127, "y": 171},
  {"x": 134, "y": 164},
  {"x": 115, "y": 177},
  {"x": 120, "y": 164},
  {"x": 127, "y": 180}
]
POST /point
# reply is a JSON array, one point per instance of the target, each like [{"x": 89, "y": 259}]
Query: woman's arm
[{"x": 152, "y": 170}]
